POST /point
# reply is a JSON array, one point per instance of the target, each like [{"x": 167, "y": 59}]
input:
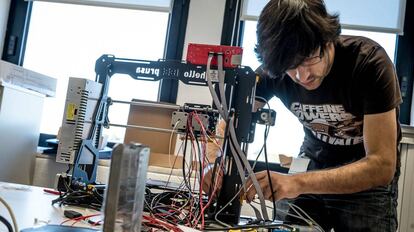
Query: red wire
[
  {"x": 164, "y": 224},
  {"x": 204, "y": 165},
  {"x": 191, "y": 219},
  {"x": 215, "y": 186},
  {"x": 77, "y": 219}
]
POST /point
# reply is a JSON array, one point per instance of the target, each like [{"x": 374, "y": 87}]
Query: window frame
[{"x": 19, "y": 22}]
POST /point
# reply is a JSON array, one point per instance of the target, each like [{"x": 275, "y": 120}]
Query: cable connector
[{"x": 71, "y": 214}]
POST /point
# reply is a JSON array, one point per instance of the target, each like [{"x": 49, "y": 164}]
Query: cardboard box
[
  {"x": 18, "y": 76},
  {"x": 156, "y": 117}
]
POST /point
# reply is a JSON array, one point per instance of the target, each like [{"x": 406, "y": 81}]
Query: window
[
  {"x": 64, "y": 40},
  {"x": 287, "y": 135},
  {"x": 370, "y": 15}
]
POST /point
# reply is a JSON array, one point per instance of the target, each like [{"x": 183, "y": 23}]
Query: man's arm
[{"x": 376, "y": 169}]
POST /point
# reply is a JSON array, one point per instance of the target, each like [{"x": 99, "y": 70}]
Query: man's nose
[{"x": 302, "y": 74}]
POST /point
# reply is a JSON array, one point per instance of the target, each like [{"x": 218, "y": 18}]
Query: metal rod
[
  {"x": 161, "y": 105},
  {"x": 146, "y": 128},
  {"x": 154, "y": 129},
  {"x": 155, "y": 104}
]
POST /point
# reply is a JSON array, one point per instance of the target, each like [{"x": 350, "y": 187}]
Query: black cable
[
  {"x": 89, "y": 199},
  {"x": 6, "y": 223},
  {"x": 233, "y": 143},
  {"x": 268, "y": 173},
  {"x": 187, "y": 184},
  {"x": 266, "y": 133}
]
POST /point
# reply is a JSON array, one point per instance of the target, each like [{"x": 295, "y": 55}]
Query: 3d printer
[{"x": 233, "y": 92}]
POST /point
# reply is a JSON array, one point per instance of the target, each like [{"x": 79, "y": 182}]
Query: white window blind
[
  {"x": 369, "y": 15},
  {"x": 252, "y": 8},
  {"x": 152, "y": 5}
]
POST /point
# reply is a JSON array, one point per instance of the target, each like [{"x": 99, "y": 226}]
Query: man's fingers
[
  {"x": 263, "y": 180},
  {"x": 259, "y": 177},
  {"x": 263, "y": 184}
]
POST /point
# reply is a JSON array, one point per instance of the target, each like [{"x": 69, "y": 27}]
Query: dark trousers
[{"x": 372, "y": 210}]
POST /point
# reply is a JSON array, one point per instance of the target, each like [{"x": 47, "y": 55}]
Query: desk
[{"x": 29, "y": 203}]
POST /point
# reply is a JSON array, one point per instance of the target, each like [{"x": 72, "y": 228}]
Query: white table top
[{"x": 30, "y": 203}]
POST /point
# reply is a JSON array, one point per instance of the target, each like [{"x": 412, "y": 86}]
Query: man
[{"x": 344, "y": 91}]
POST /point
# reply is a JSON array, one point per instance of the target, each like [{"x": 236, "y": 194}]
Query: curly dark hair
[{"x": 290, "y": 30}]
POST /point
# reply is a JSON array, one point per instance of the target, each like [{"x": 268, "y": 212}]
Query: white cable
[
  {"x": 309, "y": 217},
  {"x": 298, "y": 216},
  {"x": 240, "y": 169},
  {"x": 233, "y": 137},
  {"x": 225, "y": 206},
  {"x": 16, "y": 228},
  {"x": 221, "y": 77},
  {"x": 228, "y": 203},
  {"x": 242, "y": 175},
  {"x": 222, "y": 108},
  {"x": 236, "y": 158},
  {"x": 169, "y": 146},
  {"x": 239, "y": 165},
  {"x": 243, "y": 156},
  {"x": 212, "y": 92}
]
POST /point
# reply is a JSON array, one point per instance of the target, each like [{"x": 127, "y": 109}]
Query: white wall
[
  {"x": 204, "y": 25},
  {"x": 4, "y": 13}
]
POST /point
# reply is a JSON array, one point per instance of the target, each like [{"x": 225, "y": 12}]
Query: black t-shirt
[{"x": 362, "y": 81}]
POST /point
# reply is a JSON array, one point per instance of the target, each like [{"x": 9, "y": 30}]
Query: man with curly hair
[{"x": 345, "y": 92}]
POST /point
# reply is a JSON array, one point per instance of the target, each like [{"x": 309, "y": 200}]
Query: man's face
[{"x": 311, "y": 72}]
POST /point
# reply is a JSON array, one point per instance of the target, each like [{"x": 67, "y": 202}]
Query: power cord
[
  {"x": 6, "y": 223},
  {"x": 266, "y": 133},
  {"x": 16, "y": 228},
  {"x": 268, "y": 175}
]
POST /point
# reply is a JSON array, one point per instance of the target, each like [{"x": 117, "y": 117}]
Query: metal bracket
[
  {"x": 265, "y": 117},
  {"x": 182, "y": 117}
]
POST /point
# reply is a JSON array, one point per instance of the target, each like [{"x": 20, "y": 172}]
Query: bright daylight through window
[
  {"x": 287, "y": 135},
  {"x": 64, "y": 40}
]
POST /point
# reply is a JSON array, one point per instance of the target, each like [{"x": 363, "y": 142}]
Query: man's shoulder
[
  {"x": 360, "y": 49},
  {"x": 357, "y": 44}
]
